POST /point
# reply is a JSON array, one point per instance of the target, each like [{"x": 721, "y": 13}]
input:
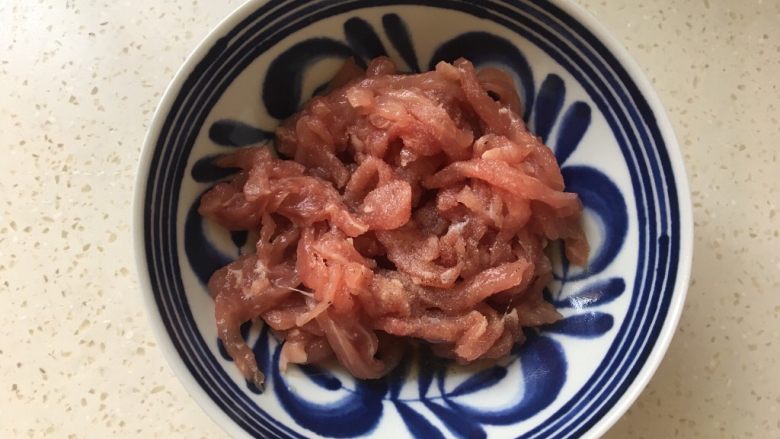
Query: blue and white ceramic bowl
[{"x": 583, "y": 95}]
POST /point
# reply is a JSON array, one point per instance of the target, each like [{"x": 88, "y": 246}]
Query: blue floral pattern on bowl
[
  {"x": 542, "y": 359},
  {"x": 538, "y": 391}
]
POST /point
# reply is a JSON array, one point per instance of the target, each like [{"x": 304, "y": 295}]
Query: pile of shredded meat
[{"x": 411, "y": 207}]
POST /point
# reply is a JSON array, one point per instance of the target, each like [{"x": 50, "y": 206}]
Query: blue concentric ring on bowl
[{"x": 612, "y": 88}]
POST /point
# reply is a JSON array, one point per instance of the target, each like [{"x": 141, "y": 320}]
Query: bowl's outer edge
[
  {"x": 667, "y": 332},
  {"x": 158, "y": 328},
  {"x": 570, "y": 7}
]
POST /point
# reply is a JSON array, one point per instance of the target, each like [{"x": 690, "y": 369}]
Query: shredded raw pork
[{"x": 412, "y": 207}]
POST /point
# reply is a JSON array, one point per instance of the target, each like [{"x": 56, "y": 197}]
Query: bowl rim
[
  {"x": 669, "y": 328},
  {"x": 164, "y": 341},
  {"x": 579, "y": 14}
]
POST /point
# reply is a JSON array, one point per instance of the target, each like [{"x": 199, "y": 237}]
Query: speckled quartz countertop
[{"x": 80, "y": 80}]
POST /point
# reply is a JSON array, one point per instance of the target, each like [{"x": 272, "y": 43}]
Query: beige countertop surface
[{"x": 79, "y": 81}]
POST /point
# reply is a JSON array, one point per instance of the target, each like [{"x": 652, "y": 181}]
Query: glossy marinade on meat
[{"x": 409, "y": 207}]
